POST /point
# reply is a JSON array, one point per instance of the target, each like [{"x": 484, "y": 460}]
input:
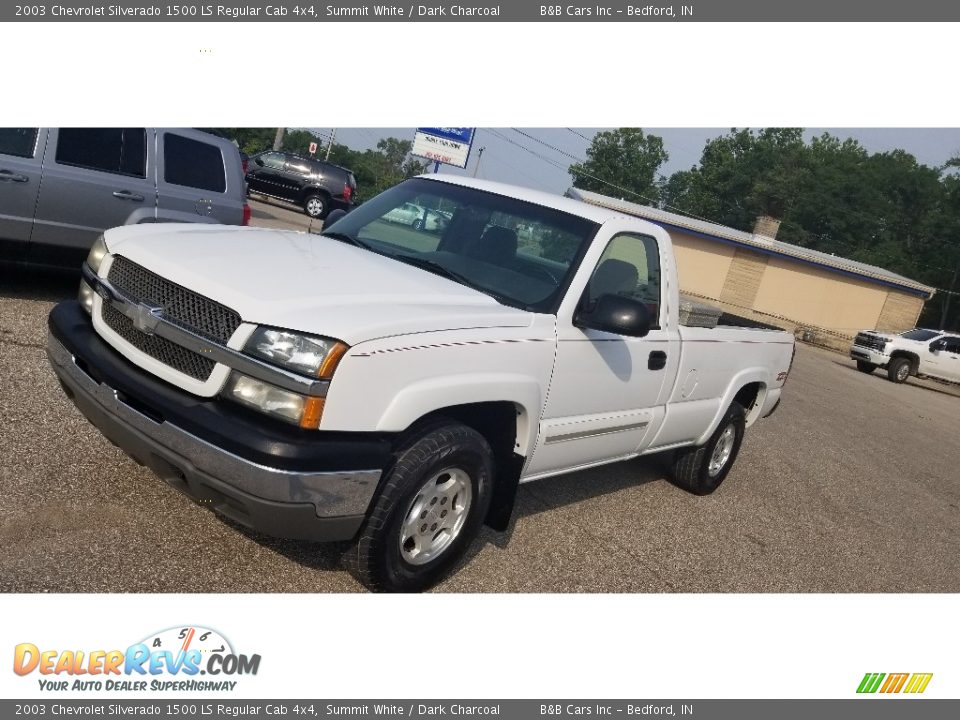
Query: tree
[
  {"x": 741, "y": 176},
  {"x": 249, "y": 140},
  {"x": 298, "y": 141},
  {"x": 377, "y": 170},
  {"x": 884, "y": 209},
  {"x": 622, "y": 162}
]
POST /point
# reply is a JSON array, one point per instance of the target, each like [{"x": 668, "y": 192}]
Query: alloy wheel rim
[
  {"x": 436, "y": 516},
  {"x": 722, "y": 451},
  {"x": 902, "y": 372},
  {"x": 314, "y": 207}
]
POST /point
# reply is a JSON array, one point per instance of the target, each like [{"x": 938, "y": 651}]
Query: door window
[
  {"x": 952, "y": 345},
  {"x": 122, "y": 151},
  {"x": 273, "y": 160},
  {"x": 193, "y": 163},
  {"x": 19, "y": 142},
  {"x": 629, "y": 267}
]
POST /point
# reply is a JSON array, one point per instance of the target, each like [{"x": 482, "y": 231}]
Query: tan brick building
[{"x": 823, "y": 298}]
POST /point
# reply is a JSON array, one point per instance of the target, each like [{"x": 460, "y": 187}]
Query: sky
[{"x": 512, "y": 157}]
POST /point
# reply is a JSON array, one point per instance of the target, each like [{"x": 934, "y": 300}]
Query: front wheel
[
  {"x": 429, "y": 509},
  {"x": 898, "y": 370},
  {"x": 866, "y": 367},
  {"x": 700, "y": 470}
]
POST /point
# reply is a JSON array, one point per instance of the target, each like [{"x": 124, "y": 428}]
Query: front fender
[{"x": 421, "y": 398}]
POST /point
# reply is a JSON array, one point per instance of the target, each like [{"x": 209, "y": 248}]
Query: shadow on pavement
[
  {"x": 31, "y": 283},
  {"x": 944, "y": 388}
]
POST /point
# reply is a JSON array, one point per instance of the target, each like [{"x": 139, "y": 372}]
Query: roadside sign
[
  {"x": 313, "y": 148},
  {"x": 450, "y": 146}
]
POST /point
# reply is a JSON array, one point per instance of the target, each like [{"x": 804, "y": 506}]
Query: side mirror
[
  {"x": 938, "y": 345},
  {"x": 258, "y": 161},
  {"x": 332, "y": 217},
  {"x": 615, "y": 314}
]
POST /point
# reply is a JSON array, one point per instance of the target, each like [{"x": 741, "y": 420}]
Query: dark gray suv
[
  {"x": 316, "y": 186},
  {"x": 61, "y": 187}
]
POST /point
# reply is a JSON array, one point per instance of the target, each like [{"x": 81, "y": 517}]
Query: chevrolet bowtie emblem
[{"x": 146, "y": 318}]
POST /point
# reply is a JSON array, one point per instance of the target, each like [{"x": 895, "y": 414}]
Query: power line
[
  {"x": 546, "y": 144},
  {"x": 579, "y": 134}
]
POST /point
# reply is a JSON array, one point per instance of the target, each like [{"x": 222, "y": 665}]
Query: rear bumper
[{"x": 283, "y": 482}]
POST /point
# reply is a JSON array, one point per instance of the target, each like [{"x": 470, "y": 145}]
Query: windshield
[
  {"x": 520, "y": 253},
  {"x": 920, "y": 335}
]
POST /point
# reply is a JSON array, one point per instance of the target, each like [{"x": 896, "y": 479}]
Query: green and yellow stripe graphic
[{"x": 894, "y": 682}]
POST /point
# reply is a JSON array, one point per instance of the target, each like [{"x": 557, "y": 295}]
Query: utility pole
[
  {"x": 476, "y": 167},
  {"x": 333, "y": 136},
  {"x": 949, "y": 296},
  {"x": 278, "y": 139}
]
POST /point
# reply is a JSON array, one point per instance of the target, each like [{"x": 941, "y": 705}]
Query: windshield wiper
[
  {"x": 442, "y": 270},
  {"x": 344, "y": 237}
]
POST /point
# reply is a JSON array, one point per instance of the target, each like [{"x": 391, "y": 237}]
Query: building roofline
[{"x": 758, "y": 243}]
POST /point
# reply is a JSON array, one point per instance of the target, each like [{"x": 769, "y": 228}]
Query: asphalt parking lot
[{"x": 852, "y": 486}]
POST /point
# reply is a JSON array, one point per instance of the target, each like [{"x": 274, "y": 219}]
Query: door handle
[
  {"x": 127, "y": 195},
  {"x": 657, "y": 360},
  {"x": 8, "y": 176}
]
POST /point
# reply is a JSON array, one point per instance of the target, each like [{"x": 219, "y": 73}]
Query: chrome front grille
[
  {"x": 870, "y": 341},
  {"x": 188, "y": 309},
  {"x": 180, "y": 306},
  {"x": 169, "y": 353}
]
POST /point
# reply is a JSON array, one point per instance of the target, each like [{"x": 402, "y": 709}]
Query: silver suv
[{"x": 61, "y": 187}]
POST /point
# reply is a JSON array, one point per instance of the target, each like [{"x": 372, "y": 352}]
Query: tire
[
  {"x": 413, "y": 536},
  {"x": 418, "y": 224},
  {"x": 316, "y": 206},
  {"x": 700, "y": 470},
  {"x": 865, "y": 367},
  {"x": 898, "y": 370}
]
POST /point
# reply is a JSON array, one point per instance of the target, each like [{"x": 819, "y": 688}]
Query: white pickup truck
[
  {"x": 392, "y": 385},
  {"x": 929, "y": 353}
]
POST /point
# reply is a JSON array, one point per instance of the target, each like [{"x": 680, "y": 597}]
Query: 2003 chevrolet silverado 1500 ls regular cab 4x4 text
[{"x": 392, "y": 386}]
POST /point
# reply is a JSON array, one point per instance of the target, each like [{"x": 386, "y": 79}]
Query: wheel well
[
  {"x": 497, "y": 422},
  {"x": 914, "y": 359},
  {"x": 750, "y": 398},
  {"x": 307, "y": 192}
]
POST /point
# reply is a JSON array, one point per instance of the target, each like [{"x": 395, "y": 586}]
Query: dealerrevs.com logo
[{"x": 172, "y": 659}]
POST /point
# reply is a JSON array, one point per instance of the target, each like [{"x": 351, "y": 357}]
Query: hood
[
  {"x": 881, "y": 335},
  {"x": 309, "y": 283}
]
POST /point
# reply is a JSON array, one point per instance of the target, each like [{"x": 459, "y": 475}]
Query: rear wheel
[
  {"x": 315, "y": 206},
  {"x": 429, "y": 509},
  {"x": 865, "y": 367},
  {"x": 700, "y": 470},
  {"x": 898, "y": 370},
  {"x": 418, "y": 224}
]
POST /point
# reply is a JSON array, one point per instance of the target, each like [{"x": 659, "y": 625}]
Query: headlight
[
  {"x": 305, "y": 354},
  {"x": 271, "y": 400},
  {"x": 97, "y": 253}
]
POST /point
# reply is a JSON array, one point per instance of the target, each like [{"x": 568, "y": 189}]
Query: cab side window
[
  {"x": 952, "y": 345},
  {"x": 629, "y": 267}
]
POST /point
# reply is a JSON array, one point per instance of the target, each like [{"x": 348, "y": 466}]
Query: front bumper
[
  {"x": 859, "y": 352},
  {"x": 280, "y": 481}
]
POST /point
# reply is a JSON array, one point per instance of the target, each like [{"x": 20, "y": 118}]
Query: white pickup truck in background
[
  {"x": 392, "y": 385},
  {"x": 919, "y": 352}
]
